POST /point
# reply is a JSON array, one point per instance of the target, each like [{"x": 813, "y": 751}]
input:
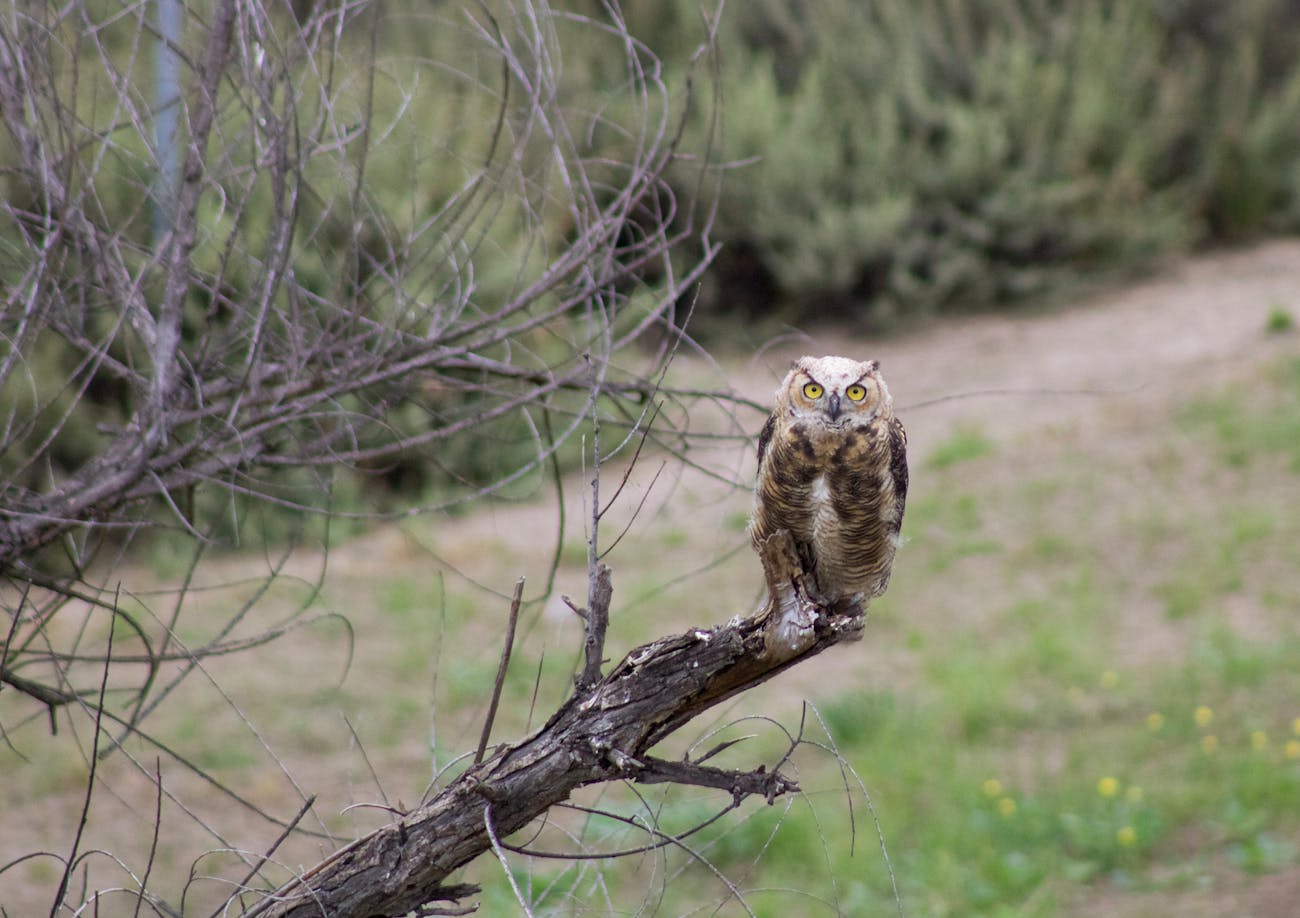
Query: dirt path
[{"x": 1196, "y": 320}]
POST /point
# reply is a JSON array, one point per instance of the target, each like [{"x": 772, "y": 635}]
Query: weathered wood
[
  {"x": 596, "y": 618},
  {"x": 602, "y": 733}
]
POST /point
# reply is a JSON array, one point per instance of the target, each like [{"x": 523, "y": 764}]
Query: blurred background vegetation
[
  {"x": 912, "y": 158},
  {"x": 884, "y": 162}
]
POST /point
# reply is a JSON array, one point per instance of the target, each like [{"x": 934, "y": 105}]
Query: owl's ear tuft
[{"x": 872, "y": 366}]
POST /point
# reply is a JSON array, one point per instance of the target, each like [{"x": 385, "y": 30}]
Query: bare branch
[
  {"x": 501, "y": 856},
  {"x": 153, "y": 842},
  {"x": 602, "y": 734},
  {"x": 502, "y": 667},
  {"x": 270, "y": 851},
  {"x": 71, "y": 861},
  {"x": 759, "y": 782},
  {"x": 167, "y": 329}
]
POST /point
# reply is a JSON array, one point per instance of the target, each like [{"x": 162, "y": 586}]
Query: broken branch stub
[{"x": 596, "y": 620}]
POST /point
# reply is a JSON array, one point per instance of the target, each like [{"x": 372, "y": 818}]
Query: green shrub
[{"x": 899, "y": 158}]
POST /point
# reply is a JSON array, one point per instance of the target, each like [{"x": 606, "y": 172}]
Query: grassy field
[{"x": 1080, "y": 697}]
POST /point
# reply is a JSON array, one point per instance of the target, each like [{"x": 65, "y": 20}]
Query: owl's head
[{"x": 837, "y": 390}]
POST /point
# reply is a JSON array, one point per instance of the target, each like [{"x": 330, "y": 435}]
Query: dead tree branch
[
  {"x": 603, "y": 733},
  {"x": 507, "y": 647}
]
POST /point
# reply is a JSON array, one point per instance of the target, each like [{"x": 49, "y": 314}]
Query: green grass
[
  {"x": 1279, "y": 320},
  {"x": 1246, "y": 431},
  {"x": 990, "y": 804},
  {"x": 965, "y": 444}
]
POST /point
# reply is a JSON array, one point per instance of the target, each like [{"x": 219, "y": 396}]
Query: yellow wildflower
[
  {"x": 1007, "y": 806},
  {"x": 1259, "y": 741},
  {"x": 1108, "y": 787},
  {"x": 1126, "y": 836},
  {"x": 1209, "y": 743},
  {"x": 1204, "y": 714},
  {"x": 992, "y": 787},
  {"x": 1155, "y": 720}
]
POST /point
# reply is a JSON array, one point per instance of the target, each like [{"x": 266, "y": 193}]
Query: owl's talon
[
  {"x": 794, "y": 628},
  {"x": 847, "y": 606}
]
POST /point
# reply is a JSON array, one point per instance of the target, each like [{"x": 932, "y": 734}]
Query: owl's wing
[
  {"x": 765, "y": 437},
  {"x": 898, "y": 462}
]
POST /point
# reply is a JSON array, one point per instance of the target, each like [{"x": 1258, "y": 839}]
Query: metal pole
[{"x": 167, "y": 116}]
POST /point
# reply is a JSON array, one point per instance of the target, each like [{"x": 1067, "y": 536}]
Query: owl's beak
[{"x": 835, "y": 406}]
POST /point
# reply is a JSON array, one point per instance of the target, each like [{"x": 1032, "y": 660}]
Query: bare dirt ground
[{"x": 1106, "y": 371}]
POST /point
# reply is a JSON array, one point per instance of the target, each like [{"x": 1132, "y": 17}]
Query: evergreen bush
[{"x": 896, "y": 158}]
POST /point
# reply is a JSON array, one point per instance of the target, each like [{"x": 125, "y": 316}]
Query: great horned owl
[{"x": 832, "y": 469}]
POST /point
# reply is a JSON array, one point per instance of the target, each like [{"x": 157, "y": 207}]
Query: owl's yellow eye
[
  {"x": 855, "y": 393},
  {"x": 812, "y": 390}
]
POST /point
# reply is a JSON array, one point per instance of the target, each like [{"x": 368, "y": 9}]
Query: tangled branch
[
  {"x": 367, "y": 265},
  {"x": 290, "y": 327}
]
